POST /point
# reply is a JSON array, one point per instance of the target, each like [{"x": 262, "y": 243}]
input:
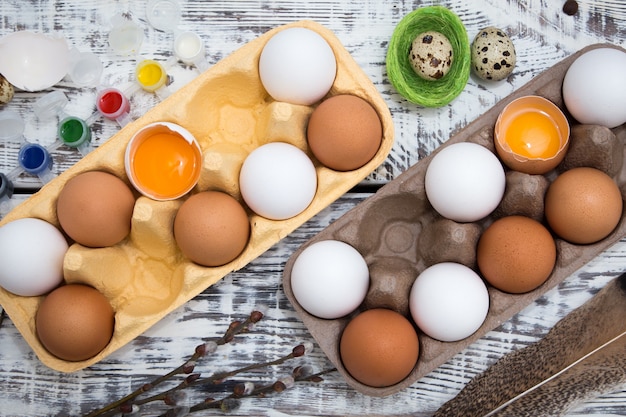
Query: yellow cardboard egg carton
[{"x": 229, "y": 112}]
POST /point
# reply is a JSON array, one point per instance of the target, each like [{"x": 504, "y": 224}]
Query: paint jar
[
  {"x": 36, "y": 160},
  {"x": 152, "y": 77},
  {"x": 11, "y": 126},
  {"x": 189, "y": 48},
  {"x": 6, "y": 191},
  {"x": 75, "y": 133},
  {"x": 6, "y": 186},
  {"x": 113, "y": 104},
  {"x": 125, "y": 36},
  {"x": 72, "y": 131},
  {"x": 163, "y": 161},
  {"x": 32, "y": 158},
  {"x": 531, "y": 135},
  {"x": 165, "y": 15},
  {"x": 11, "y": 129}
]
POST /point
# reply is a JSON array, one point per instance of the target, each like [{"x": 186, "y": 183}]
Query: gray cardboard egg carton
[{"x": 400, "y": 234}]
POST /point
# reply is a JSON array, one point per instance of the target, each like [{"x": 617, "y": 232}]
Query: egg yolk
[
  {"x": 166, "y": 164},
  {"x": 533, "y": 135}
]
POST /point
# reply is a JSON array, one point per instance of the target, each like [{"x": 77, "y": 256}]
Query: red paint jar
[{"x": 113, "y": 104}]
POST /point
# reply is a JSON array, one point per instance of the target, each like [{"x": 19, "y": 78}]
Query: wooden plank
[
  {"x": 542, "y": 34},
  {"x": 28, "y": 383}
]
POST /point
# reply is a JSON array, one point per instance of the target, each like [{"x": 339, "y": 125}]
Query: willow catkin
[{"x": 401, "y": 74}]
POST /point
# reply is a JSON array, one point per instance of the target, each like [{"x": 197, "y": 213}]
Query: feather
[{"x": 582, "y": 356}]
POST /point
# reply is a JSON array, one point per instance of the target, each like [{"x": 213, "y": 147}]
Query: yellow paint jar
[{"x": 150, "y": 75}]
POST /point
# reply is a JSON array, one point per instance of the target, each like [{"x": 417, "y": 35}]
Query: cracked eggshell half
[{"x": 33, "y": 61}]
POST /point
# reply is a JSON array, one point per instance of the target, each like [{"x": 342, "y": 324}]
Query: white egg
[
  {"x": 449, "y": 301},
  {"x": 594, "y": 87},
  {"x": 31, "y": 259},
  {"x": 33, "y": 61},
  {"x": 297, "y": 66},
  {"x": 465, "y": 182},
  {"x": 329, "y": 279},
  {"x": 278, "y": 181}
]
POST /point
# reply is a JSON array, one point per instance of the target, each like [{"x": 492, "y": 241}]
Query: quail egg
[
  {"x": 6, "y": 90},
  {"x": 431, "y": 55},
  {"x": 493, "y": 54}
]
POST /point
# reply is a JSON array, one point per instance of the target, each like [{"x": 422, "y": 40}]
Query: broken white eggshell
[{"x": 33, "y": 61}]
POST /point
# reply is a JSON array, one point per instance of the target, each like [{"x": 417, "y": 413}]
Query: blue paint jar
[{"x": 36, "y": 160}]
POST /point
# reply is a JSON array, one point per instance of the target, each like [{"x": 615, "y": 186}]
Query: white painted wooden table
[{"x": 542, "y": 34}]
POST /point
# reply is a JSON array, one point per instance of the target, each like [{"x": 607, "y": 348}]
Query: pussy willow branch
[
  {"x": 230, "y": 402},
  {"x": 187, "y": 367},
  {"x": 296, "y": 352},
  {"x": 280, "y": 386}
]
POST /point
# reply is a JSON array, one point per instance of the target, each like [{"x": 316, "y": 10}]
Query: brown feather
[{"x": 593, "y": 324}]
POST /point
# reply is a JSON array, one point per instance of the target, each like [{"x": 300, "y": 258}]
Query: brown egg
[
  {"x": 344, "y": 132},
  {"x": 583, "y": 205},
  {"x": 95, "y": 209},
  {"x": 379, "y": 347},
  {"x": 211, "y": 228},
  {"x": 516, "y": 254},
  {"x": 75, "y": 322}
]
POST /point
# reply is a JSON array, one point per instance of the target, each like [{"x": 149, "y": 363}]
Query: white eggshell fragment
[
  {"x": 278, "y": 181},
  {"x": 32, "y": 61},
  {"x": 449, "y": 301},
  {"x": 465, "y": 182},
  {"x": 431, "y": 55},
  {"x": 594, "y": 87},
  {"x": 493, "y": 54},
  {"x": 297, "y": 66},
  {"x": 31, "y": 258},
  {"x": 330, "y": 279}
]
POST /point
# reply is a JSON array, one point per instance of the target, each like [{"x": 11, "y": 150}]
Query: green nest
[{"x": 401, "y": 74}]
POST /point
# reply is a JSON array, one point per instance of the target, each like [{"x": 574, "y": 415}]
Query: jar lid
[
  {"x": 163, "y": 14},
  {"x": 11, "y": 125},
  {"x": 85, "y": 68},
  {"x": 50, "y": 105}
]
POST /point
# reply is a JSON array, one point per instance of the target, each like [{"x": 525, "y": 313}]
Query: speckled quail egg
[
  {"x": 6, "y": 90},
  {"x": 493, "y": 54},
  {"x": 431, "y": 55}
]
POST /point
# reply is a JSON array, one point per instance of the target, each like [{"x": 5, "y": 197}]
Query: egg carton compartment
[
  {"x": 229, "y": 112},
  {"x": 399, "y": 234}
]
